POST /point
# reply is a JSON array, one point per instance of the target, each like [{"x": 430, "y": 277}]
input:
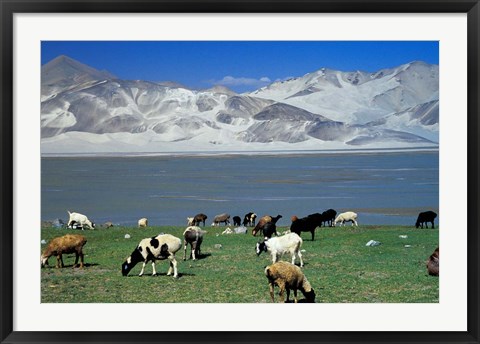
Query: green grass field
[{"x": 339, "y": 266}]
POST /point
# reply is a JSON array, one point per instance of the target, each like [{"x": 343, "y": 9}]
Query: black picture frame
[{"x": 10, "y": 7}]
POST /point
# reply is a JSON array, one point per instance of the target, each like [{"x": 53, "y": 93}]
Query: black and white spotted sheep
[{"x": 163, "y": 246}]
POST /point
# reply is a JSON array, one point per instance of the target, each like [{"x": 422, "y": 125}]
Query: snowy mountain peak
[{"x": 85, "y": 110}]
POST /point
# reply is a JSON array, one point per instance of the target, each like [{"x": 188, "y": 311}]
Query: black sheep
[
  {"x": 237, "y": 220},
  {"x": 306, "y": 224},
  {"x": 329, "y": 217},
  {"x": 269, "y": 229},
  {"x": 263, "y": 221},
  {"x": 249, "y": 219},
  {"x": 424, "y": 218}
]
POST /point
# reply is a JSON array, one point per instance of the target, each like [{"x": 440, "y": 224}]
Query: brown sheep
[
  {"x": 70, "y": 243},
  {"x": 433, "y": 263},
  {"x": 263, "y": 221},
  {"x": 288, "y": 277}
]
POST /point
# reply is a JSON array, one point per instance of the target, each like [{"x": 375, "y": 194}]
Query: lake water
[{"x": 383, "y": 188}]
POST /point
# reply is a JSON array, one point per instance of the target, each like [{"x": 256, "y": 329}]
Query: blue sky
[{"x": 239, "y": 65}]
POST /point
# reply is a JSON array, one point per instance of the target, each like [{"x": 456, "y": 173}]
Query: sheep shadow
[
  {"x": 198, "y": 257},
  {"x": 71, "y": 266},
  {"x": 203, "y": 256},
  {"x": 163, "y": 274}
]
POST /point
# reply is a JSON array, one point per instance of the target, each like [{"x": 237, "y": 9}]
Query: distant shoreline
[{"x": 240, "y": 153}]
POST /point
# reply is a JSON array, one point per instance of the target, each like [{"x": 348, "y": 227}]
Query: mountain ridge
[{"x": 325, "y": 109}]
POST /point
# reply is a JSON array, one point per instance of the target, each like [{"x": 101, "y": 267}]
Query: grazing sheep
[
  {"x": 199, "y": 218},
  {"x": 163, "y": 246},
  {"x": 306, "y": 224},
  {"x": 143, "y": 222},
  {"x": 290, "y": 243},
  {"x": 348, "y": 216},
  {"x": 222, "y": 218},
  {"x": 328, "y": 217},
  {"x": 189, "y": 221},
  {"x": 425, "y": 218},
  {"x": 70, "y": 243},
  {"x": 288, "y": 277},
  {"x": 107, "y": 224},
  {"x": 80, "y": 219},
  {"x": 192, "y": 235},
  {"x": 249, "y": 219},
  {"x": 269, "y": 229},
  {"x": 237, "y": 220},
  {"x": 433, "y": 263},
  {"x": 263, "y": 221}
]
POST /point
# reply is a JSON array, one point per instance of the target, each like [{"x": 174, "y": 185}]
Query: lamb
[
  {"x": 225, "y": 218},
  {"x": 433, "y": 263},
  {"x": 288, "y": 277},
  {"x": 80, "y": 219},
  {"x": 249, "y": 219},
  {"x": 143, "y": 222},
  {"x": 306, "y": 224},
  {"x": 163, "y": 246},
  {"x": 329, "y": 217},
  {"x": 199, "y": 218},
  {"x": 263, "y": 221},
  {"x": 193, "y": 235},
  {"x": 290, "y": 243},
  {"x": 424, "y": 218},
  {"x": 348, "y": 216},
  {"x": 189, "y": 221},
  {"x": 237, "y": 220},
  {"x": 69, "y": 243}
]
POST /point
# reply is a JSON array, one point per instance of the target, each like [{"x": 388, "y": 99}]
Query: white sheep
[
  {"x": 143, "y": 222},
  {"x": 348, "y": 216},
  {"x": 288, "y": 277},
  {"x": 161, "y": 247},
  {"x": 190, "y": 221},
  {"x": 277, "y": 246},
  {"x": 80, "y": 219},
  {"x": 193, "y": 235}
]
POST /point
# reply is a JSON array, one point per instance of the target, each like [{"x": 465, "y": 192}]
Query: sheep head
[
  {"x": 131, "y": 261},
  {"x": 260, "y": 247}
]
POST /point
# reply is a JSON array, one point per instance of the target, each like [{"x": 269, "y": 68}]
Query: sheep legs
[
  {"x": 173, "y": 267},
  {"x": 78, "y": 255},
  {"x": 295, "y": 299},
  {"x": 272, "y": 291},
  {"x": 280, "y": 285},
  {"x": 299, "y": 257},
  {"x": 59, "y": 261}
]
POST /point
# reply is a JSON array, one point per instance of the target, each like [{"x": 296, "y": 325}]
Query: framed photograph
[{"x": 350, "y": 128}]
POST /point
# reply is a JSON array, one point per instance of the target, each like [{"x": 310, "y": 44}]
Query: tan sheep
[
  {"x": 288, "y": 277},
  {"x": 70, "y": 243},
  {"x": 143, "y": 222}
]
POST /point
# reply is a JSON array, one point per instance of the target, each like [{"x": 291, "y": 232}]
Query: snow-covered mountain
[{"x": 88, "y": 111}]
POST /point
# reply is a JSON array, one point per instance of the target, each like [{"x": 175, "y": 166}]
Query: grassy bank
[{"x": 339, "y": 266}]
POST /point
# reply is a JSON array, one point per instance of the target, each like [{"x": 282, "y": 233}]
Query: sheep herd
[{"x": 287, "y": 276}]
